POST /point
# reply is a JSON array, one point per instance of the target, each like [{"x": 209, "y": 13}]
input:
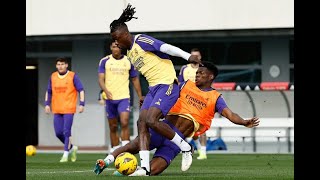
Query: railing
[{"x": 268, "y": 132}]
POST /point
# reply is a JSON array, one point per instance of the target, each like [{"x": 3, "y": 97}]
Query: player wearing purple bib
[
  {"x": 114, "y": 73},
  {"x": 151, "y": 58}
]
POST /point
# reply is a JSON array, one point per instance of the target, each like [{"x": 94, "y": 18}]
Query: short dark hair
[
  {"x": 126, "y": 16},
  {"x": 195, "y": 49},
  {"x": 62, "y": 59},
  {"x": 211, "y": 67}
]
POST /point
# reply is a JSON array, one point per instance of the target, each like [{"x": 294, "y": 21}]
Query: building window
[{"x": 239, "y": 76}]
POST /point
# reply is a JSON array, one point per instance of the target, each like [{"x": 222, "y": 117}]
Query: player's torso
[
  {"x": 197, "y": 103},
  {"x": 117, "y": 77},
  {"x": 154, "y": 68},
  {"x": 62, "y": 83},
  {"x": 189, "y": 73},
  {"x": 117, "y": 68}
]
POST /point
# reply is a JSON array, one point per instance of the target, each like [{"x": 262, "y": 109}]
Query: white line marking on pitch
[{"x": 59, "y": 172}]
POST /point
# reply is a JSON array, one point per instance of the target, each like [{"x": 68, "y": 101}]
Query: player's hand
[
  {"x": 47, "y": 109},
  {"x": 109, "y": 95},
  {"x": 101, "y": 101},
  {"x": 253, "y": 122},
  {"x": 141, "y": 101},
  {"x": 194, "y": 59},
  {"x": 81, "y": 109}
]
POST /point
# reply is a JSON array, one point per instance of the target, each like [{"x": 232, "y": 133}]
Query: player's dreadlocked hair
[{"x": 126, "y": 16}]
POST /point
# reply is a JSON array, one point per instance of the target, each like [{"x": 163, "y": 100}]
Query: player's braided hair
[{"x": 126, "y": 16}]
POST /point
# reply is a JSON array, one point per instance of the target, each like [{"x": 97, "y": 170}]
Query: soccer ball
[
  {"x": 126, "y": 163},
  {"x": 31, "y": 150}
]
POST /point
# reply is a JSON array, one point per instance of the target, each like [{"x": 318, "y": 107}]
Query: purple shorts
[
  {"x": 161, "y": 96},
  {"x": 165, "y": 148},
  {"x": 115, "y": 107}
]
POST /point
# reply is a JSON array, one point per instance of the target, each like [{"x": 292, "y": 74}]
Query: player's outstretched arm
[
  {"x": 175, "y": 51},
  {"x": 236, "y": 119}
]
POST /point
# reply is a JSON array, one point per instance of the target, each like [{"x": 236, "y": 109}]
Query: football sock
[
  {"x": 65, "y": 153},
  {"x": 198, "y": 144},
  {"x": 203, "y": 149},
  {"x": 183, "y": 145},
  {"x": 109, "y": 159},
  {"x": 145, "y": 159},
  {"x": 189, "y": 139},
  {"x": 125, "y": 142}
]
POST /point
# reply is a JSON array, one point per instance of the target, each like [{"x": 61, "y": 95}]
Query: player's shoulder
[
  {"x": 145, "y": 39},
  {"x": 184, "y": 66},
  {"x": 182, "y": 69},
  {"x": 104, "y": 59}
]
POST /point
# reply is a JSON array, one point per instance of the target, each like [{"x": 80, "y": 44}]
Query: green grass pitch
[{"x": 217, "y": 166}]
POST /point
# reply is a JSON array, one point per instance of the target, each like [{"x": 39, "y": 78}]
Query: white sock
[
  {"x": 65, "y": 153},
  {"x": 204, "y": 149},
  {"x": 145, "y": 159},
  {"x": 109, "y": 159},
  {"x": 198, "y": 144},
  {"x": 183, "y": 145},
  {"x": 188, "y": 139},
  {"x": 125, "y": 142},
  {"x": 114, "y": 148}
]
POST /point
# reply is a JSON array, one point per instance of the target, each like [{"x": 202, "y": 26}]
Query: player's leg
[
  {"x": 112, "y": 116},
  {"x": 143, "y": 133},
  {"x": 101, "y": 164},
  {"x": 196, "y": 140},
  {"x": 165, "y": 97},
  {"x": 58, "y": 126},
  {"x": 58, "y": 123},
  {"x": 203, "y": 147},
  {"x": 68, "y": 145},
  {"x": 124, "y": 111}
]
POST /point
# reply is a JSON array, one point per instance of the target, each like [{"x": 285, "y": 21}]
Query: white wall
[{"x": 51, "y": 17}]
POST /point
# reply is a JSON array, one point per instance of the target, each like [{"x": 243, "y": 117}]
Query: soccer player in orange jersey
[
  {"x": 188, "y": 72},
  {"x": 62, "y": 96},
  {"x": 191, "y": 114}
]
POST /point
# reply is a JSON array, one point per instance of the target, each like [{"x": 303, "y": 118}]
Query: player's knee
[
  {"x": 113, "y": 127},
  {"x": 124, "y": 125},
  {"x": 151, "y": 123},
  {"x": 59, "y": 134},
  {"x": 67, "y": 133}
]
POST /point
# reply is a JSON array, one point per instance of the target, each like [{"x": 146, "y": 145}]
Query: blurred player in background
[
  {"x": 62, "y": 96},
  {"x": 188, "y": 72},
  {"x": 191, "y": 114},
  {"x": 150, "y": 56},
  {"x": 114, "y": 73}
]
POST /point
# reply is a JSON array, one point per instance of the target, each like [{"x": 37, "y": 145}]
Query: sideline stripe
[{"x": 62, "y": 172}]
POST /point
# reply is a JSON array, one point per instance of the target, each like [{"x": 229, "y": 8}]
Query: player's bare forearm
[
  {"x": 82, "y": 95},
  {"x": 233, "y": 117},
  {"x": 236, "y": 119},
  {"x": 137, "y": 86},
  {"x": 101, "y": 82},
  {"x": 46, "y": 96}
]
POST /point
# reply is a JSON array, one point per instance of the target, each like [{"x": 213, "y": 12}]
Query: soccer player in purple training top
[
  {"x": 114, "y": 73},
  {"x": 150, "y": 57},
  {"x": 62, "y": 95}
]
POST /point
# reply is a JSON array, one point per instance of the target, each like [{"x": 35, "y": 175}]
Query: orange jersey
[
  {"x": 64, "y": 93},
  {"x": 196, "y": 105}
]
